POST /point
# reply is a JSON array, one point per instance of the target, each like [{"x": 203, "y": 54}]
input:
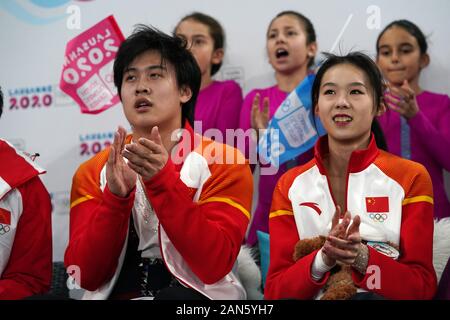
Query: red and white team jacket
[
  {"x": 394, "y": 199},
  {"x": 203, "y": 211},
  {"x": 25, "y": 227}
]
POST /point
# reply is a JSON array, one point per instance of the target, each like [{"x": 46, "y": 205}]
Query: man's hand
[
  {"x": 148, "y": 156},
  {"x": 120, "y": 178}
]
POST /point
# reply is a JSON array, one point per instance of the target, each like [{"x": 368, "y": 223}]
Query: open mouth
[
  {"x": 397, "y": 70},
  {"x": 142, "y": 103},
  {"x": 281, "y": 53},
  {"x": 342, "y": 119}
]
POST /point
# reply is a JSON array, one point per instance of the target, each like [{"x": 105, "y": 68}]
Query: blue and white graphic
[
  {"x": 293, "y": 129},
  {"x": 37, "y": 12}
]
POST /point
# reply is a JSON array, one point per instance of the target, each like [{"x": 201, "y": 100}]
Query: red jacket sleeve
[
  {"x": 412, "y": 276},
  {"x": 286, "y": 278},
  {"x": 208, "y": 233},
  {"x": 29, "y": 268},
  {"x": 98, "y": 228}
]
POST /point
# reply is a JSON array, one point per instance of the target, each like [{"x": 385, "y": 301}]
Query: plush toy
[{"x": 340, "y": 284}]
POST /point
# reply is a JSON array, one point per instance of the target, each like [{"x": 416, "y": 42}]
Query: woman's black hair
[
  {"x": 409, "y": 27},
  {"x": 173, "y": 50},
  {"x": 215, "y": 30},
  {"x": 359, "y": 60},
  {"x": 373, "y": 74},
  {"x": 307, "y": 24},
  {"x": 378, "y": 133}
]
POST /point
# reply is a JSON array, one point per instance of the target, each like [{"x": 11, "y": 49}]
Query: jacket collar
[
  {"x": 15, "y": 168},
  {"x": 359, "y": 159},
  {"x": 188, "y": 141}
]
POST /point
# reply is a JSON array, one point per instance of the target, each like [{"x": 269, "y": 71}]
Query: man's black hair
[{"x": 173, "y": 50}]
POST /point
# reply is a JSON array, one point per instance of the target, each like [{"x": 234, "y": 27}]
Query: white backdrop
[{"x": 38, "y": 117}]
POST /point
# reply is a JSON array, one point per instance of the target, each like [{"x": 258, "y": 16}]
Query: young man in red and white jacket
[
  {"x": 161, "y": 213},
  {"x": 25, "y": 226}
]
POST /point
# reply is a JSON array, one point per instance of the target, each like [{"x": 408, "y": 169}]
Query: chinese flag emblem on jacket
[
  {"x": 5, "y": 216},
  {"x": 377, "y": 204}
]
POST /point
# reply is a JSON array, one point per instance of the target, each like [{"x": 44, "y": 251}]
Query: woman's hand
[
  {"x": 402, "y": 100},
  {"x": 342, "y": 245},
  {"x": 260, "y": 119}
]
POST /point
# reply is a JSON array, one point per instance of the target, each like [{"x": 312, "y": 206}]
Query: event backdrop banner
[{"x": 88, "y": 67}]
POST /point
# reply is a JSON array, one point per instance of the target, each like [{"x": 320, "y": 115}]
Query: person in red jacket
[
  {"x": 25, "y": 226},
  {"x": 374, "y": 208},
  {"x": 161, "y": 213}
]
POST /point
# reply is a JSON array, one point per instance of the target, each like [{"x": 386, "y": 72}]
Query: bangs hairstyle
[
  {"x": 360, "y": 61},
  {"x": 215, "y": 31},
  {"x": 173, "y": 51},
  {"x": 307, "y": 26}
]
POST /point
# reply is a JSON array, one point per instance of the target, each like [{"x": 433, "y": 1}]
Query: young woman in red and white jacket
[{"x": 375, "y": 209}]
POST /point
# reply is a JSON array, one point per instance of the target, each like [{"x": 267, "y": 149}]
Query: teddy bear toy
[{"x": 340, "y": 284}]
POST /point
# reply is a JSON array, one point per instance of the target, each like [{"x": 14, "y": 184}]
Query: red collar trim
[
  {"x": 15, "y": 170},
  {"x": 359, "y": 160},
  {"x": 188, "y": 142}
]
